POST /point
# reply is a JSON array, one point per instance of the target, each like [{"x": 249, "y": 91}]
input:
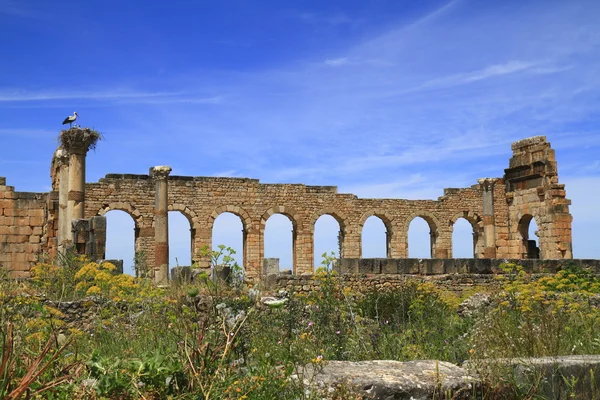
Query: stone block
[
  {"x": 481, "y": 266},
  {"x": 347, "y": 266},
  {"x": 366, "y": 266},
  {"x": 181, "y": 274},
  {"x": 389, "y": 266},
  {"x": 270, "y": 266}
]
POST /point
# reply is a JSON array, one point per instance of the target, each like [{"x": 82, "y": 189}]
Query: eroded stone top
[
  {"x": 528, "y": 142},
  {"x": 160, "y": 171}
]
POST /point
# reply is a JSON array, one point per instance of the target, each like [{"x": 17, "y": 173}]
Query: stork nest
[{"x": 85, "y": 138}]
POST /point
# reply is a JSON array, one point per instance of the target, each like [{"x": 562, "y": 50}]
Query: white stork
[{"x": 70, "y": 119}]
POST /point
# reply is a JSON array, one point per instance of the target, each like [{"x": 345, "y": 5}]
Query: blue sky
[{"x": 381, "y": 98}]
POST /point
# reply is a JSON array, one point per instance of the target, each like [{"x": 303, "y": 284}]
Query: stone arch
[
  {"x": 137, "y": 219},
  {"x": 473, "y": 218},
  {"x": 239, "y": 211},
  {"x": 434, "y": 233},
  {"x": 389, "y": 229},
  {"x": 246, "y": 227},
  {"x": 340, "y": 217},
  {"x": 476, "y": 223},
  {"x": 295, "y": 219},
  {"x": 187, "y": 212},
  {"x": 192, "y": 219},
  {"x": 528, "y": 248},
  {"x": 287, "y": 211},
  {"x": 126, "y": 207}
]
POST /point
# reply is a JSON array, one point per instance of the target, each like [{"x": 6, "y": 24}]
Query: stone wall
[
  {"x": 26, "y": 230},
  {"x": 455, "y": 275},
  {"x": 533, "y": 192},
  {"x": 203, "y": 199},
  {"x": 498, "y": 209}
]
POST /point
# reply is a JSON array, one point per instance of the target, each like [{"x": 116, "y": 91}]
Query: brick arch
[
  {"x": 295, "y": 219},
  {"x": 473, "y": 218},
  {"x": 476, "y": 224},
  {"x": 389, "y": 228},
  {"x": 236, "y": 210},
  {"x": 187, "y": 212},
  {"x": 524, "y": 222},
  {"x": 287, "y": 211},
  {"x": 133, "y": 212},
  {"x": 387, "y": 221},
  {"x": 429, "y": 217},
  {"x": 340, "y": 217},
  {"x": 435, "y": 230}
]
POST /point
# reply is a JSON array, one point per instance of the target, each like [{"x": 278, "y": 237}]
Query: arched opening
[
  {"x": 279, "y": 241},
  {"x": 420, "y": 239},
  {"x": 228, "y": 230},
  {"x": 530, "y": 244},
  {"x": 463, "y": 239},
  {"x": 326, "y": 238},
  {"x": 120, "y": 239},
  {"x": 180, "y": 240},
  {"x": 375, "y": 240}
]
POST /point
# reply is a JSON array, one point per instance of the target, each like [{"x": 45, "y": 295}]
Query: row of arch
[
  {"x": 279, "y": 236},
  {"x": 468, "y": 227}
]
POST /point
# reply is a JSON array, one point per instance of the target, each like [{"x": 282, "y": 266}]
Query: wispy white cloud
[
  {"x": 491, "y": 71},
  {"x": 10, "y": 96},
  {"x": 336, "y": 62},
  {"x": 20, "y": 9}
]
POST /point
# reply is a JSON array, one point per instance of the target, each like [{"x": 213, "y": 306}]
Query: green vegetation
[{"x": 213, "y": 340}]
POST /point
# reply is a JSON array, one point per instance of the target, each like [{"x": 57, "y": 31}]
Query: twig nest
[{"x": 79, "y": 139}]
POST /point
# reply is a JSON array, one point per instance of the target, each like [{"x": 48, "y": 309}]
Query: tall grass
[{"x": 208, "y": 340}]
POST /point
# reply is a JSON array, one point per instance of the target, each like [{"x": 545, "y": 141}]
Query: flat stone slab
[
  {"x": 560, "y": 377},
  {"x": 395, "y": 380}
]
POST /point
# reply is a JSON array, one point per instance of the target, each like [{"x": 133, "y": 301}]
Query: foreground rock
[
  {"x": 394, "y": 380},
  {"x": 561, "y": 377}
]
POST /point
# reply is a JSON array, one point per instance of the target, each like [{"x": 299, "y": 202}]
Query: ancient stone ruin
[{"x": 71, "y": 215}]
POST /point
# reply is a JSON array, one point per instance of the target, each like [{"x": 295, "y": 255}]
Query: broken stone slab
[
  {"x": 395, "y": 380},
  {"x": 475, "y": 305},
  {"x": 560, "y": 377}
]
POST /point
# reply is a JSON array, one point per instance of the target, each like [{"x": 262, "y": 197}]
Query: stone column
[
  {"x": 352, "y": 242},
  {"x": 489, "y": 223},
  {"x": 76, "y": 196},
  {"x": 304, "y": 255},
  {"x": 253, "y": 251},
  {"x": 64, "y": 228},
  {"x": 160, "y": 175}
]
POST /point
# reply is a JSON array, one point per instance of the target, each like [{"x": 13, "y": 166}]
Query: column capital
[
  {"x": 61, "y": 157},
  {"x": 160, "y": 171},
  {"x": 487, "y": 183}
]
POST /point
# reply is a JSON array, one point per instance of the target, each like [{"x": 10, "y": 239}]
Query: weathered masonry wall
[
  {"x": 498, "y": 209},
  {"x": 456, "y": 275},
  {"x": 25, "y": 228},
  {"x": 202, "y": 199}
]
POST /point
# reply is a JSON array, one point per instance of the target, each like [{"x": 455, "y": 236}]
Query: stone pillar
[
  {"x": 160, "y": 175},
  {"x": 489, "y": 223},
  {"x": 64, "y": 228},
  {"x": 304, "y": 259},
  {"x": 76, "y": 142},
  {"x": 76, "y": 197},
  {"x": 352, "y": 242},
  {"x": 253, "y": 251}
]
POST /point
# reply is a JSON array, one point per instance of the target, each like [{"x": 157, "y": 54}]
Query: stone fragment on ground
[{"x": 395, "y": 380}]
